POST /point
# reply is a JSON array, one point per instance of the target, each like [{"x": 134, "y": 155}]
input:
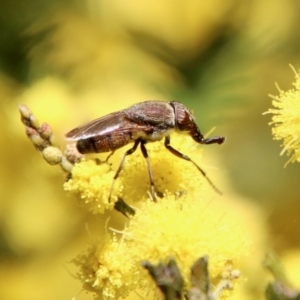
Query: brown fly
[{"x": 141, "y": 123}]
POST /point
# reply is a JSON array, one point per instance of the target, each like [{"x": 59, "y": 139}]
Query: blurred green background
[{"x": 71, "y": 61}]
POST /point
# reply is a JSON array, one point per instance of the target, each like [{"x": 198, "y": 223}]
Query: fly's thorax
[{"x": 158, "y": 115}]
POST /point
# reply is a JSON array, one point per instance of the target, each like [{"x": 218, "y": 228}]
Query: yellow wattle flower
[
  {"x": 184, "y": 228},
  {"x": 91, "y": 181},
  {"x": 286, "y": 119},
  {"x": 107, "y": 269}
]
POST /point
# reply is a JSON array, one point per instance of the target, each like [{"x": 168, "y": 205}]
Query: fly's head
[{"x": 185, "y": 121}]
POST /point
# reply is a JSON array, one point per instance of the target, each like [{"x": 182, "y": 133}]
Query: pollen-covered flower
[
  {"x": 184, "y": 228},
  {"x": 92, "y": 182},
  {"x": 107, "y": 269},
  {"x": 286, "y": 119}
]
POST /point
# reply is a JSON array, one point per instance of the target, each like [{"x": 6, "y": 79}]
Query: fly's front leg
[
  {"x": 145, "y": 154},
  {"x": 183, "y": 156},
  {"x": 128, "y": 152}
]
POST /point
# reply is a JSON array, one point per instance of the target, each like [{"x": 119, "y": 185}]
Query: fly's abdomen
[{"x": 98, "y": 144}]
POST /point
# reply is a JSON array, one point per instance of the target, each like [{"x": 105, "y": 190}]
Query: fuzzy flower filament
[{"x": 286, "y": 119}]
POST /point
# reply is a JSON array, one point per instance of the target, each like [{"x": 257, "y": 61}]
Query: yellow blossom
[
  {"x": 92, "y": 182},
  {"x": 107, "y": 269},
  {"x": 184, "y": 228},
  {"x": 286, "y": 119}
]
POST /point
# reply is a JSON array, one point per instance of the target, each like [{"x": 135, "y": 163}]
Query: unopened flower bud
[
  {"x": 72, "y": 153},
  {"x": 36, "y": 139},
  {"x": 52, "y": 155},
  {"x": 53, "y": 141},
  {"x": 34, "y": 122},
  {"x": 24, "y": 111},
  {"x": 45, "y": 131}
]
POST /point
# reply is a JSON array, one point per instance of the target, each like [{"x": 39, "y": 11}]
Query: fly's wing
[{"x": 112, "y": 123}]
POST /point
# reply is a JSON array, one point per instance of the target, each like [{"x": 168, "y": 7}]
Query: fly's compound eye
[{"x": 183, "y": 117}]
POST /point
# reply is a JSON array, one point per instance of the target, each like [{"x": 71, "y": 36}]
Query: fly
[{"x": 144, "y": 122}]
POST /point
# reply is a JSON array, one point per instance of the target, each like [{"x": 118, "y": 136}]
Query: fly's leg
[
  {"x": 180, "y": 155},
  {"x": 145, "y": 154},
  {"x": 128, "y": 152},
  {"x": 110, "y": 154}
]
